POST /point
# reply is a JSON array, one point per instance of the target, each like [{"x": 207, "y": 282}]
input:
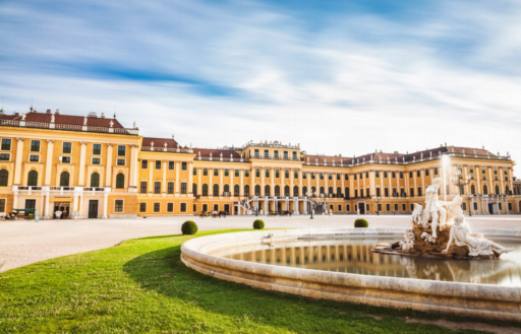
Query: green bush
[
  {"x": 258, "y": 224},
  {"x": 189, "y": 227},
  {"x": 361, "y": 222}
]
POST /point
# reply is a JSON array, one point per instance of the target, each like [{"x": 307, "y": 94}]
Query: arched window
[
  {"x": 330, "y": 191},
  {"x": 257, "y": 190},
  {"x": 194, "y": 189},
  {"x": 32, "y": 178},
  {"x": 485, "y": 190},
  {"x": 277, "y": 191},
  {"x": 346, "y": 193},
  {"x": 246, "y": 190},
  {"x": 473, "y": 190},
  {"x": 216, "y": 190},
  {"x": 226, "y": 190},
  {"x": 94, "y": 180},
  {"x": 120, "y": 181},
  {"x": 205, "y": 190},
  {"x": 339, "y": 192},
  {"x": 497, "y": 190},
  {"x": 266, "y": 190},
  {"x": 64, "y": 179},
  {"x": 4, "y": 177},
  {"x": 286, "y": 191},
  {"x": 322, "y": 190},
  {"x": 305, "y": 191},
  {"x": 295, "y": 191},
  {"x": 236, "y": 190}
]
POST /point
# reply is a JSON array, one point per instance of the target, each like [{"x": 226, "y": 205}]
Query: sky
[{"x": 337, "y": 77}]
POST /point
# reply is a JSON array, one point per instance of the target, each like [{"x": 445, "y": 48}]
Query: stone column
[
  {"x": 48, "y": 163},
  {"x": 199, "y": 182},
  {"x": 300, "y": 184},
  {"x": 134, "y": 172},
  {"x": 105, "y": 203},
  {"x": 150, "y": 188},
  {"x": 272, "y": 182},
  {"x": 83, "y": 163},
  {"x": 18, "y": 162},
  {"x": 177, "y": 167},
  {"x": 164, "y": 187},
  {"x": 291, "y": 182},
  {"x": 372, "y": 184},
  {"x": 108, "y": 167},
  {"x": 241, "y": 183},
  {"x": 221, "y": 181},
  {"x": 190, "y": 177},
  {"x": 263, "y": 175},
  {"x": 210, "y": 182}
]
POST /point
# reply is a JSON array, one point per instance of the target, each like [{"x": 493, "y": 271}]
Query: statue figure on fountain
[{"x": 439, "y": 229}]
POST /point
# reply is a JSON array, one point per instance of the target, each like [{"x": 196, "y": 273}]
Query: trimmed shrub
[
  {"x": 189, "y": 227},
  {"x": 361, "y": 222},
  {"x": 258, "y": 224}
]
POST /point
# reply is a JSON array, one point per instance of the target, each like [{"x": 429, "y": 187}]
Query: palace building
[{"x": 91, "y": 166}]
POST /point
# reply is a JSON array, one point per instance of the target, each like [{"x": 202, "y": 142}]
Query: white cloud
[{"x": 404, "y": 87}]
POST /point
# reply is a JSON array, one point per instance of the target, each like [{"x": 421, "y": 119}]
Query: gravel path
[{"x": 25, "y": 242}]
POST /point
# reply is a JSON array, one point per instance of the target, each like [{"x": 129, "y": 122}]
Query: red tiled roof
[
  {"x": 159, "y": 142},
  {"x": 46, "y": 117}
]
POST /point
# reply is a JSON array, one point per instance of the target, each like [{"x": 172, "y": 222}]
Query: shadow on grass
[{"x": 162, "y": 271}]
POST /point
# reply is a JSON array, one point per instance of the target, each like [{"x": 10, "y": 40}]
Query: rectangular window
[
  {"x": 158, "y": 164},
  {"x": 294, "y": 155},
  {"x": 121, "y": 150},
  {"x": 247, "y": 174},
  {"x": 96, "y": 161},
  {"x": 35, "y": 146},
  {"x": 34, "y": 157},
  {"x": 419, "y": 191},
  {"x": 266, "y": 154},
  {"x": 2, "y": 204},
  {"x": 183, "y": 207},
  {"x": 205, "y": 171},
  {"x": 184, "y": 188},
  {"x": 170, "y": 207},
  {"x": 157, "y": 187},
  {"x": 257, "y": 173},
  {"x": 286, "y": 155},
  {"x": 66, "y": 160},
  {"x": 226, "y": 172},
  {"x": 67, "y": 147},
  {"x": 6, "y": 145},
  {"x": 256, "y": 153},
  {"x": 215, "y": 172},
  {"x": 276, "y": 154},
  {"x": 184, "y": 165},
  {"x": 121, "y": 162},
  {"x": 157, "y": 207},
  {"x": 144, "y": 164},
  {"x": 118, "y": 205},
  {"x": 96, "y": 149},
  {"x": 142, "y": 207},
  {"x": 143, "y": 187},
  {"x": 236, "y": 173},
  {"x": 4, "y": 156},
  {"x": 170, "y": 187},
  {"x": 171, "y": 165}
]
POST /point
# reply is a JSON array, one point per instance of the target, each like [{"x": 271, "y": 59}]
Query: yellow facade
[{"x": 78, "y": 167}]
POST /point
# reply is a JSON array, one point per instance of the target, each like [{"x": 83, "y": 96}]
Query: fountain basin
[{"x": 213, "y": 256}]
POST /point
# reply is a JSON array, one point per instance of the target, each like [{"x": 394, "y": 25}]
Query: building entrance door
[
  {"x": 93, "y": 208},
  {"x": 361, "y": 208},
  {"x": 491, "y": 208}
]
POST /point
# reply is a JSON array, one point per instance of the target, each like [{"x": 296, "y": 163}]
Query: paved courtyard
[{"x": 25, "y": 242}]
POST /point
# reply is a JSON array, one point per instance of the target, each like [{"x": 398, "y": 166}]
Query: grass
[{"x": 142, "y": 286}]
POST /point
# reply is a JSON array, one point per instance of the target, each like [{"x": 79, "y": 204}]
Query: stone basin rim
[{"x": 462, "y": 298}]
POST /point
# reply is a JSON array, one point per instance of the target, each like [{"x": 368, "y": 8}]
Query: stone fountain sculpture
[{"x": 440, "y": 230}]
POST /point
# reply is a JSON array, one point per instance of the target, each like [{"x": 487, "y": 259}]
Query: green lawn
[{"x": 142, "y": 286}]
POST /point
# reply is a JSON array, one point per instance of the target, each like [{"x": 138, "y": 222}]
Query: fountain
[{"x": 440, "y": 230}]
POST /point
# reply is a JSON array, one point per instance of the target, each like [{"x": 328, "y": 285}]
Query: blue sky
[{"x": 344, "y": 77}]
